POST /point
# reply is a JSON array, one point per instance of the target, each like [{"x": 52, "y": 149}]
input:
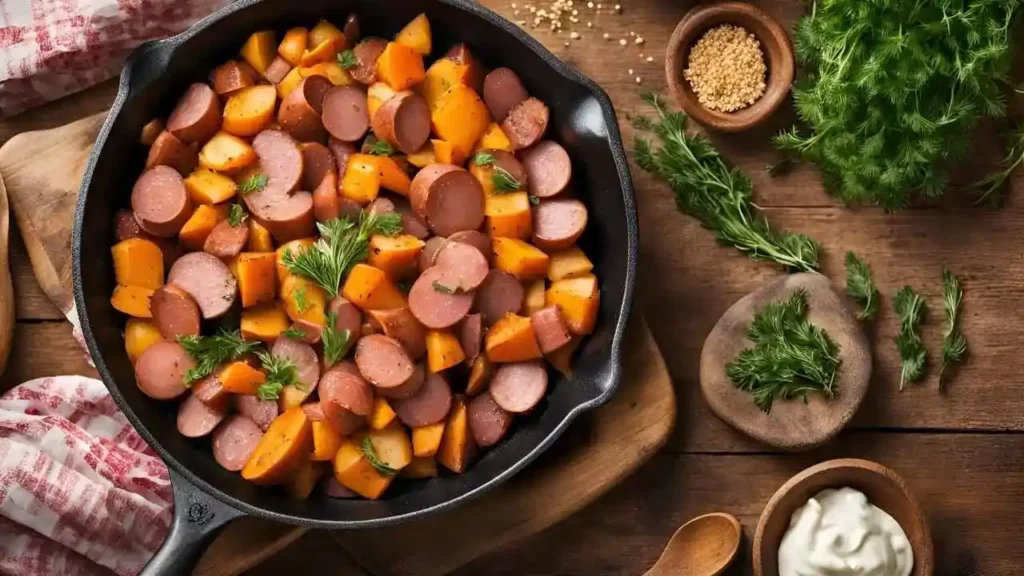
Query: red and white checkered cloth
[{"x": 52, "y": 48}]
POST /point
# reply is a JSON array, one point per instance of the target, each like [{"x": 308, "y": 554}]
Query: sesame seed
[
  {"x": 606, "y": 36},
  {"x": 575, "y": 36},
  {"x": 590, "y": 24},
  {"x": 639, "y": 40},
  {"x": 566, "y": 43},
  {"x": 618, "y": 8},
  {"x": 598, "y": 6},
  {"x": 650, "y": 58},
  {"x": 637, "y": 79},
  {"x": 622, "y": 41},
  {"x": 590, "y": 4},
  {"x": 630, "y": 71},
  {"x": 514, "y": 6},
  {"x": 575, "y": 12},
  {"x": 631, "y": 33}
]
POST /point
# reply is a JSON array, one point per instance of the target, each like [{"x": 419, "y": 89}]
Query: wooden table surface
[{"x": 962, "y": 453}]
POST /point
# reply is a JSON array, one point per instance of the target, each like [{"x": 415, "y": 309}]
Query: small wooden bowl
[
  {"x": 775, "y": 44},
  {"x": 882, "y": 487}
]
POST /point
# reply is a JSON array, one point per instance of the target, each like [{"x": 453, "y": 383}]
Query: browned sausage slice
[
  {"x": 463, "y": 267},
  {"x": 429, "y": 405},
  {"x": 367, "y": 52},
  {"x": 345, "y": 397},
  {"x": 381, "y": 205},
  {"x": 341, "y": 151},
  {"x": 299, "y": 113},
  {"x": 160, "y": 201},
  {"x": 410, "y": 223},
  {"x": 404, "y": 121},
  {"x": 231, "y": 76},
  {"x": 474, "y": 76},
  {"x": 311, "y": 333},
  {"x": 548, "y": 168},
  {"x": 225, "y": 240},
  {"x": 476, "y": 239},
  {"x": 196, "y": 117},
  {"x": 349, "y": 208},
  {"x": 428, "y": 256},
  {"x": 167, "y": 150},
  {"x": 303, "y": 357},
  {"x": 351, "y": 29},
  {"x": 175, "y": 313},
  {"x": 401, "y": 325},
  {"x": 277, "y": 70},
  {"x": 345, "y": 113},
  {"x": 347, "y": 316},
  {"x": 234, "y": 441},
  {"x": 558, "y": 223},
  {"x": 408, "y": 388},
  {"x": 383, "y": 361},
  {"x": 519, "y": 386},
  {"x": 210, "y": 391},
  {"x": 160, "y": 370},
  {"x": 207, "y": 280},
  {"x": 435, "y": 306},
  {"x": 447, "y": 198},
  {"x": 314, "y": 411},
  {"x": 500, "y": 294},
  {"x": 126, "y": 226},
  {"x": 317, "y": 160},
  {"x": 286, "y": 215},
  {"x": 471, "y": 334},
  {"x": 526, "y": 123},
  {"x": 487, "y": 421},
  {"x": 326, "y": 202},
  {"x": 503, "y": 91},
  {"x": 281, "y": 160},
  {"x": 196, "y": 419},
  {"x": 262, "y": 412},
  {"x": 550, "y": 328}
]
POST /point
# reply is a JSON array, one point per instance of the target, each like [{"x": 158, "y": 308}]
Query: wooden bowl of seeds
[{"x": 729, "y": 65}]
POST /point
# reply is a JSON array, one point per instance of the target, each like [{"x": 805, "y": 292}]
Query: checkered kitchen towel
[{"x": 52, "y": 48}]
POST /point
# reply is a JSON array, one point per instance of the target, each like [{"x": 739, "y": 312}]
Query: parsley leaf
[
  {"x": 381, "y": 148},
  {"x": 348, "y": 59},
  {"x": 534, "y": 200},
  {"x": 300, "y": 300},
  {"x": 438, "y": 287},
  {"x": 209, "y": 352},
  {"x": 371, "y": 456},
  {"x": 503, "y": 181},
  {"x": 236, "y": 215},
  {"x": 254, "y": 183},
  {"x": 280, "y": 372},
  {"x": 293, "y": 333},
  {"x": 483, "y": 159}
]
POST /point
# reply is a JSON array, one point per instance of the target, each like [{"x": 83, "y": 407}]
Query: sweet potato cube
[
  {"x": 208, "y": 187},
  {"x": 493, "y": 138},
  {"x": 420, "y": 468},
  {"x": 426, "y": 440},
  {"x": 139, "y": 334},
  {"x": 578, "y": 299},
  {"x": 362, "y": 179},
  {"x": 300, "y": 483},
  {"x": 241, "y": 378},
  {"x": 460, "y": 117},
  {"x": 416, "y": 35},
  {"x": 369, "y": 288},
  {"x": 512, "y": 339},
  {"x": 138, "y": 262},
  {"x": 381, "y": 415},
  {"x": 457, "y": 445},
  {"x": 533, "y": 301},
  {"x": 395, "y": 255},
  {"x": 400, "y": 67},
  {"x": 303, "y": 300},
  {"x": 264, "y": 322},
  {"x": 256, "y": 277},
  {"x": 193, "y": 234},
  {"x": 226, "y": 153},
  {"x": 260, "y": 239},
  {"x": 260, "y": 50},
  {"x": 326, "y": 441},
  {"x": 293, "y": 45},
  {"x": 508, "y": 215},
  {"x": 443, "y": 350},
  {"x": 479, "y": 375},
  {"x": 519, "y": 258},
  {"x": 568, "y": 263}
]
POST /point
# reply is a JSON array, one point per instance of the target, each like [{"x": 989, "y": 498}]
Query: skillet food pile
[{"x": 367, "y": 260}]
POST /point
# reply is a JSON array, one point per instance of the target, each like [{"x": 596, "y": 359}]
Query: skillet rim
[{"x": 165, "y": 47}]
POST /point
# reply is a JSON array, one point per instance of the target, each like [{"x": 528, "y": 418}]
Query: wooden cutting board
[{"x": 42, "y": 170}]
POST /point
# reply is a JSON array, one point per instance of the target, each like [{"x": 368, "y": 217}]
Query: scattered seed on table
[
  {"x": 650, "y": 58},
  {"x": 637, "y": 79},
  {"x": 622, "y": 42}
]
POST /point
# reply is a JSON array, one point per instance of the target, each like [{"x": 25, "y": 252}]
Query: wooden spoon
[
  {"x": 704, "y": 546},
  {"x": 6, "y": 290}
]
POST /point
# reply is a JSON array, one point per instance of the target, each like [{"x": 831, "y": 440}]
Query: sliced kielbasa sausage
[
  {"x": 303, "y": 356},
  {"x": 197, "y": 419},
  {"x": 526, "y": 123},
  {"x": 326, "y": 202},
  {"x": 351, "y": 30},
  {"x": 207, "y": 280},
  {"x": 487, "y": 421},
  {"x": 447, "y": 198},
  {"x": 429, "y": 405},
  {"x": 404, "y": 121},
  {"x": 196, "y": 117},
  {"x": 225, "y": 240},
  {"x": 411, "y": 224},
  {"x": 300, "y": 110},
  {"x": 311, "y": 333},
  {"x": 341, "y": 151},
  {"x": 471, "y": 334},
  {"x": 548, "y": 168},
  {"x": 288, "y": 216},
  {"x": 345, "y": 113},
  {"x": 345, "y": 397},
  {"x": 277, "y": 70},
  {"x": 381, "y": 205},
  {"x": 317, "y": 160},
  {"x": 160, "y": 201},
  {"x": 437, "y": 306},
  {"x": 160, "y": 370},
  {"x": 175, "y": 313},
  {"x": 503, "y": 91},
  {"x": 476, "y": 239},
  {"x": 500, "y": 294},
  {"x": 126, "y": 226},
  {"x": 401, "y": 325},
  {"x": 428, "y": 256},
  {"x": 347, "y": 316},
  {"x": 367, "y": 52},
  {"x": 167, "y": 150},
  {"x": 210, "y": 390},
  {"x": 262, "y": 412},
  {"x": 234, "y": 441},
  {"x": 383, "y": 361},
  {"x": 558, "y": 223},
  {"x": 463, "y": 267},
  {"x": 408, "y": 388},
  {"x": 314, "y": 411},
  {"x": 520, "y": 386},
  {"x": 231, "y": 76},
  {"x": 550, "y": 328}
]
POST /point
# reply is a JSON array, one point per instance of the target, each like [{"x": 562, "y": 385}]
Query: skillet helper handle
[{"x": 198, "y": 519}]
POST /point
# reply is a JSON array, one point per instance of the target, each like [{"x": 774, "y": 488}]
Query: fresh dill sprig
[
  {"x": 253, "y": 183},
  {"x": 336, "y": 342},
  {"x": 348, "y": 59},
  {"x": 366, "y": 446},
  {"x": 954, "y": 344},
  {"x": 236, "y": 215},
  {"x": 343, "y": 243},
  {"x": 502, "y": 181},
  {"x": 791, "y": 357},
  {"x": 280, "y": 372},
  {"x": 300, "y": 300},
  {"x": 719, "y": 196},
  {"x": 381, "y": 148},
  {"x": 209, "y": 352},
  {"x": 910, "y": 307},
  {"x": 860, "y": 285},
  {"x": 990, "y": 190}
]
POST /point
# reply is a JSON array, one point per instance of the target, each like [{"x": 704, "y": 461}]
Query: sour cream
[{"x": 840, "y": 533}]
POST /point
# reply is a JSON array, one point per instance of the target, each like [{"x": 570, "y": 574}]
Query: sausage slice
[
  {"x": 428, "y": 256},
  {"x": 351, "y": 29},
  {"x": 434, "y": 304},
  {"x": 558, "y": 223},
  {"x": 160, "y": 201},
  {"x": 503, "y": 91},
  {"x": 225, "y": 240},
  {"x": 303, "y": 356},
  {"x": 196, "y": 117},
  {"x": 548, "y": 168},
  {"x": 408, "y": 388},
  {"x": 197, "y": 419},
  {"x": 345, "y": 113},
  {"x": 447, "y": 198},
  {"x": 550, "y": 328},
  {"x": 411, "y": 224},
  {"x": 207, "y": 280},
  {"x": 463, "y": 267},
  {"x": 262, "y": 412},
  {"x": 520, "y": 386},
  {"x": 500, "y": 294},
  {"x": 167, "y": 150},
  {"x": 487, "y": 421},
  {"x": 326, "y": 202},
  {"x": 175, "y": 313},
  {"x": 471, "y": 334},
  {"x": 160, "y": 370},
  {"x": 317, "y": 161},
  {"x": 476, "y": 239},
  {"x": 234, "y": 441},
  {"x": 345, "y": 397},
  {"x": 347, "y": 316},
  {"x": 526, "y": 123},
  {"x": 404, "y": 121},
  {"x": 277, "y": 70},
  {"x": 286, "y": 215},
  {"x": 383, "y": 361},
  {"x": 300, "y": 110},
  {"x": 367, "y": 52},
  {"x": 231, "y": 76},
  {"x": 341, "y": 151},
  {"x": 429, "y": 405},
  {"x": 401, "y": 325}
]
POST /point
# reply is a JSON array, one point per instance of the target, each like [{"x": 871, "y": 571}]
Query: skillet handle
[{"x": 198, "y": 518}]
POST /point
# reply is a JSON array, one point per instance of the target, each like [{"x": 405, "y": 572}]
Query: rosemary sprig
[
  {"x": 717, "y": 195},
  {"x": 209, "y": 352},
  {"x": 371, "y": 456},
  {"x": 990, "y": 190},
  {"x": 280, "y": 372},
  {"x": 348, "y": 59},
  {"x": 791, "y": 357},
  {"x": 954, "y": 344},
  {"x": 253, "y": 183},
  {"x": 860, "y": 285},
  {"x": 336, "y": 342},
  {"x": 910, "y": 307},
  {"x": 236, "y": 215}
]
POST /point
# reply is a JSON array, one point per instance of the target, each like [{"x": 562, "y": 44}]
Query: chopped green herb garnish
[
  {"x": 336, "y": 342},
  {"x": 438, "y": 287},
  {"x": 381, "y": 148},
  {"x": 236, "y": 215},
  {"x": 254, "y": 183},
  {"x": 280, "y": 372},
  {"x": 371, "y": 456},
  {"x": 534, "y": 200},
  {"x": 209, "y": 352},
  {"x": 300, "y": 300},
  {"x": 293, "y": 333},
  {"x": 348, "y": 59},
  {"x": 483, "y": 159}
]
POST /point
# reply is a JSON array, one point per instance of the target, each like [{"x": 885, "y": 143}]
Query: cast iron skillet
[{"x": 582, "y": 119}]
